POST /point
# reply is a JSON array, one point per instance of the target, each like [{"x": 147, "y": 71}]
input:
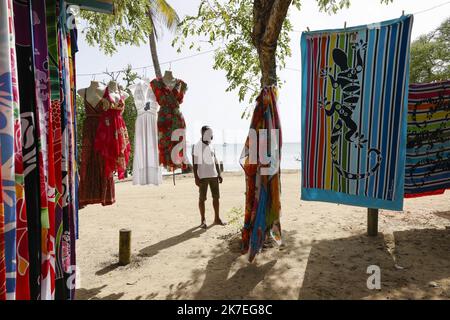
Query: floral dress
[
  {"x": 111, "y": 140},
  {"x": 170, "y": 119}
]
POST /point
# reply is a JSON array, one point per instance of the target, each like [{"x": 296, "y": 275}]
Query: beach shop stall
[{"x": 39, "y": 186}]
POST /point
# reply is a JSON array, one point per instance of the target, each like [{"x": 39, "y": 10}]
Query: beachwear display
[
  {"x": 146, "y": 169},
  {"x": 354, "y": 98},
  {"x": 262, "y": 175},
  {"x": 170, "y": 120},
  {"x": 428, "y": 146},
  {"x": 95, "y": 185},
  {"x": 38, "y": 190},
  {"x": 111, "y": 139}
]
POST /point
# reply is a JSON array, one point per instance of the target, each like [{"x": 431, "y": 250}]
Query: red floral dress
[
  {"x": 111, "y": 140},
  {"x": 170, "y": 119}
]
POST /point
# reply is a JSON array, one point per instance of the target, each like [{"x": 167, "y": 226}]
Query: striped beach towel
[
  {"x": 428, "y": 146},
  {"x": 354, "y": 97}
]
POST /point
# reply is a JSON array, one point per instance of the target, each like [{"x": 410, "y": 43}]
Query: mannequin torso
[
  {"x": 144, "y": 97},
  {"x": 94, "y": 93},
  {"x": 115, "y": 93},
  {"x": 169, "y": 79}
]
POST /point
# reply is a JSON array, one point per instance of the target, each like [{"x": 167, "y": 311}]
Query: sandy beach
[{"x": 325, "y": 255}]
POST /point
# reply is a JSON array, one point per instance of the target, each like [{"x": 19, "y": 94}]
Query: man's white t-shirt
[{"x": 204, "y": 157}]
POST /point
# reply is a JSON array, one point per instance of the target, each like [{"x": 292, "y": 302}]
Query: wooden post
[
  {"x": 124, "y": 247},
  {"x": 372, "y": 222}
]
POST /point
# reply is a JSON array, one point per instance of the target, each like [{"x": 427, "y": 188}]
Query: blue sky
[{"x": 206, "y": 101}]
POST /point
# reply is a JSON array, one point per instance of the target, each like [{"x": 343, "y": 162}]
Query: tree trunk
[
  {"x": 268, "y": 18},
  {"x": 154, "y": 53}
]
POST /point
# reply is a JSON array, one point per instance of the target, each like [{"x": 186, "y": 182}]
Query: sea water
[{"x": 230, "y": 154}]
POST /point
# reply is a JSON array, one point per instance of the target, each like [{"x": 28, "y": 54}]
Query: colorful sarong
[
  {"x": 428, "y": 147},
  {"x": 2, "y": 244},
  {"x": 55, "y": 122},
  {"x": 260, "y": 160},
  {"x": 8, "y": 106},
  {"x": 354, "y": 97}
]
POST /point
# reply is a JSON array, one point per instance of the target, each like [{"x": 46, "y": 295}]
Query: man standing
[{"x": 207, "y": 173}]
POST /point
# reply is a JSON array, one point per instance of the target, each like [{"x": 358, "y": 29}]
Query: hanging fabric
[
  {"x": 2, "y": 242},
  {"x": 55, "y": 119},
  {"x": 72, "y": 48},
  {"x": 428, "y": 147},
  {"x": 67, "y": 146},
  {"x": 170, "y": 119},
  {"x": 146, "y": 169},
  {"x": 260, "y": 160},
  {"x": 39, "y": 177},
  {"x": 28, "y": 229},
  {"x": 42, "y": 98},
  {"x": 354, "y": 97},
  {"x": 9, "y": 104}
]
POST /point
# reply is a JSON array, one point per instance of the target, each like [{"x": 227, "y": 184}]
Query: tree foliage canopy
[
  {"x": 131, "y": 24},
  {"x": 228, "y": 26},
  {"x": 430, "y": 55}
]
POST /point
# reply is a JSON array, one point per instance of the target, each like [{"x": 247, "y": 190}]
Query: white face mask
[{"x": 207, "y": 136}]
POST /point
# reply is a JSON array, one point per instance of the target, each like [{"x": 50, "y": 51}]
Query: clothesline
[
  {"x": 212, "y": 50},
  {"x": 149, "y": 66},
  {"x": 414, "y": 13}
]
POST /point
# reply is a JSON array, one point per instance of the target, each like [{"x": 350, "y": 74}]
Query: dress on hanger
[
  {"x": 111, "y": 140},
  {"x": 146, "y": 169},
  {"x": 95, "y": 185},
  {"x": 170, "y": 119}
]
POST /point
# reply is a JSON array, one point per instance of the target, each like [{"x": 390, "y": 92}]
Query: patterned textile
[
  {"x": 428, "y": 148},
  {"x": 262, "y": 202},
  {"x": 67, "y": 146},
  {"x": 35, "y": 212},
  {"x": 170, "y": 119},
  {"x": 38, "y": 189},
  {"x": 111, "y": 139},
  {"x": 42, "y": 94},
  {"x": 354, "y": 96},
  {"x": 8, "y": 106},
  {"x": 2, "y": 244}
]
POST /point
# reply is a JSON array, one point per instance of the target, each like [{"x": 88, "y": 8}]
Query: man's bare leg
[
  {"x": 201, "y": 207},
  {"x": 216, "y": 212}
]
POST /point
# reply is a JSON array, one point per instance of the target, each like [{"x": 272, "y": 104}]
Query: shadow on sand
[
  {"x": 410, "y": 263},
  {"x": 92, "y": 294},
  {"x": 153, "y": 249}
]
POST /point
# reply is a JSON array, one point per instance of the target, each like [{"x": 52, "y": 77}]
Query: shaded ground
[{"x": 325, "y": 256}]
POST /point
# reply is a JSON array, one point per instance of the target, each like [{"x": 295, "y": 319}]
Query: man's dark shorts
[{"x": 213, "y": 185}]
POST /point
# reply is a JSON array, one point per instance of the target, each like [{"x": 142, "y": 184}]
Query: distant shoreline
[{"x": 179, "y": 175}]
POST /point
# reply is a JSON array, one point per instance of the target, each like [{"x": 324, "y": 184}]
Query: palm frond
[{"x": 162, "y": 11}]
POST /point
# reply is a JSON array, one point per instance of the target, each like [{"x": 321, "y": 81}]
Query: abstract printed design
[
  {"x": 262, "y": 197},
  {"x": 7, "y": 107}
]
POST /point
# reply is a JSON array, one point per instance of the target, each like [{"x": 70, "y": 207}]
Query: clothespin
[
  {"x": 307, "y": 29},
  {"x": 170, "y": 66},
  {"x": 403, "y": 13},
  {"x": 345, "y": 25}
]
